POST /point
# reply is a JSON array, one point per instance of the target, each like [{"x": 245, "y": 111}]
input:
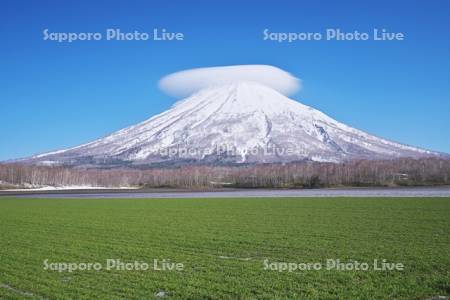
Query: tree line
[{"x": 404, "y": 171}]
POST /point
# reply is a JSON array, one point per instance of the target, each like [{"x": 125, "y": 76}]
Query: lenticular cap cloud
[{"x": 187, "y": 82}]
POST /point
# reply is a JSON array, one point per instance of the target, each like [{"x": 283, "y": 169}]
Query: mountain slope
[{"x": 233, "y": 123}]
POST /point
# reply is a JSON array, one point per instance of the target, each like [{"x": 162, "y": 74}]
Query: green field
[{"x": 222, "y": 244}]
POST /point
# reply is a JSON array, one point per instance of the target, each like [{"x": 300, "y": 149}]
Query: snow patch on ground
[
  {"x": 69, "y": 187},
  {"x": 235, "y": 258}
]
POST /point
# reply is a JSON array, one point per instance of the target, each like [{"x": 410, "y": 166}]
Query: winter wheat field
[{"x": 225, "y": 248}]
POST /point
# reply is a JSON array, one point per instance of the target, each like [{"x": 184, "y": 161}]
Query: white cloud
[{"x": 187, "y": 82}]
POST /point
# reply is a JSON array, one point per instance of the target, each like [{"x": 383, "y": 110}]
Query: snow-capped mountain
[{"x": 237, "y": 122}]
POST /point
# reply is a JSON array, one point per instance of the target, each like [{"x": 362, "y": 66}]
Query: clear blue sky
[{"x": 56, "y": 95}]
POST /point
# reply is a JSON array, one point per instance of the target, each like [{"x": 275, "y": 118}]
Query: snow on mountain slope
[{"x": 233, "y": 123}]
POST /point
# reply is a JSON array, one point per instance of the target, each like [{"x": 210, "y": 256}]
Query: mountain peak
[{"x": 241, "y": 97}]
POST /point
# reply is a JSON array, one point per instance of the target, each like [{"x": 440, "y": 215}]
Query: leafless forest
[{"x": 428, "y": 171}]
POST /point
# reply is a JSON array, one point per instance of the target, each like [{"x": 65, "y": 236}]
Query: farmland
[{"x": 225, "y": 247}]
